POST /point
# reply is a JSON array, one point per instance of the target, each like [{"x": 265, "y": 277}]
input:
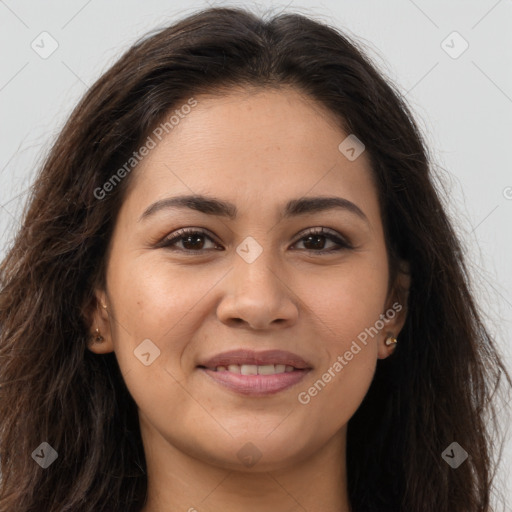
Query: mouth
[
  {"x": 256, "y": 373},
  {"x": 253, "y": 369}
]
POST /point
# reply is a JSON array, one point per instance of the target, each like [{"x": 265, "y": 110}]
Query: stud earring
[
  {"x": 99, "y": 338},
  {"x": 390, "y": 340}
]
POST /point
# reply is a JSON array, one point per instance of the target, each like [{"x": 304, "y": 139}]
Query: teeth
[
  {"x": 249, "y": 369},
  {"x": 253, "y": 369},
  {"x": 268, "y": 369}
]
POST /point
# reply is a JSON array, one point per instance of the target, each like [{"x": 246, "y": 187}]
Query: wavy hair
[{"x": 436, "y": 388}]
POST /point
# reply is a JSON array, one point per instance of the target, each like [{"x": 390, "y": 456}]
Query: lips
[
  {"x": 252, "y": 358},
  {"x": 255, "y": 373}
]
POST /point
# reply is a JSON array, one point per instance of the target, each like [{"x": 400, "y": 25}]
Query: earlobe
[
  {"x": 398, "y": 312},
  {"x": 99, "y": 338},
  {"x": 100, "y": 341},
  {"x": 100, "y": 344}
]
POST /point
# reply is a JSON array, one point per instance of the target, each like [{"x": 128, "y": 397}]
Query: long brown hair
[{"x": 439, "y": 385}]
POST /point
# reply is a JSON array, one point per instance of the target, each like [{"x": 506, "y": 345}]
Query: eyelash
[{"x": 168, "y": 242}]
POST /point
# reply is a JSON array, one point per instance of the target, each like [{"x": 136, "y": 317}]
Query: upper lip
[{"x": 244, "y": 356}]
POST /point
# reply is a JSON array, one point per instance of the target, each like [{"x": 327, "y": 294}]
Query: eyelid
[
  {"x": 320, "y": 230},
  {"x": 179, "y": 233}
]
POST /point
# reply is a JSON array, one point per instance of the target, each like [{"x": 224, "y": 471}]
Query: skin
[{"x": 256, "y": 149}]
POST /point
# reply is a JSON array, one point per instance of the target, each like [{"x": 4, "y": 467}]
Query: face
[{"x": 261, "y": 280}]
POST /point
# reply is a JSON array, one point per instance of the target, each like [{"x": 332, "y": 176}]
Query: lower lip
[{"x": 256, "y": 385}]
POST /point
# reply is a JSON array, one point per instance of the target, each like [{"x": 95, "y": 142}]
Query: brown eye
[
  {"x": 192, "y": 240},
  {"x": 314, "y": 240}
]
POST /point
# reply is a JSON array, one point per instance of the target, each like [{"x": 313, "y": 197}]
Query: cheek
[
  {"x": 335, "y": 389},
  {"x": 156, "y": 303},
  {"x": 347, "y": 299},
  {"x": 159, "y": 301},
  {"x": 348, "y": 307}
]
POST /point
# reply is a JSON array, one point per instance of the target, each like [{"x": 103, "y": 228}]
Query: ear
[
  {"x": 396, "y": 310},
  {"x": 98, "y": 317}
]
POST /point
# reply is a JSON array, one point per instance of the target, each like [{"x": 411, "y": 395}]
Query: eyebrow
[{"x": 218, "y": 207}]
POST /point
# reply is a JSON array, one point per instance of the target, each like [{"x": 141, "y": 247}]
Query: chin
[{"x": 260, "y": 452}]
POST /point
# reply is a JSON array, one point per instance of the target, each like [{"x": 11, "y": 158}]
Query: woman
[{"x": 177, "y": 335}]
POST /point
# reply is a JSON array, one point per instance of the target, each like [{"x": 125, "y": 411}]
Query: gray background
[{"x": 463, "y": 104}]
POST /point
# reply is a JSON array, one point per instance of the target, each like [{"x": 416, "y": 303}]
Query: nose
[{"x": 257, "y": 297}]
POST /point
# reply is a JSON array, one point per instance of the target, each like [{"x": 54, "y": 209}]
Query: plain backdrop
[{"x": 452, "y": 61}]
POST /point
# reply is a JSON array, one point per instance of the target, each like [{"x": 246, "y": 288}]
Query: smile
[{"x": 253, "y": 369}]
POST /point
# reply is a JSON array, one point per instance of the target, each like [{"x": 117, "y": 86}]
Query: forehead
[{"x": 256, "y": 146}]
